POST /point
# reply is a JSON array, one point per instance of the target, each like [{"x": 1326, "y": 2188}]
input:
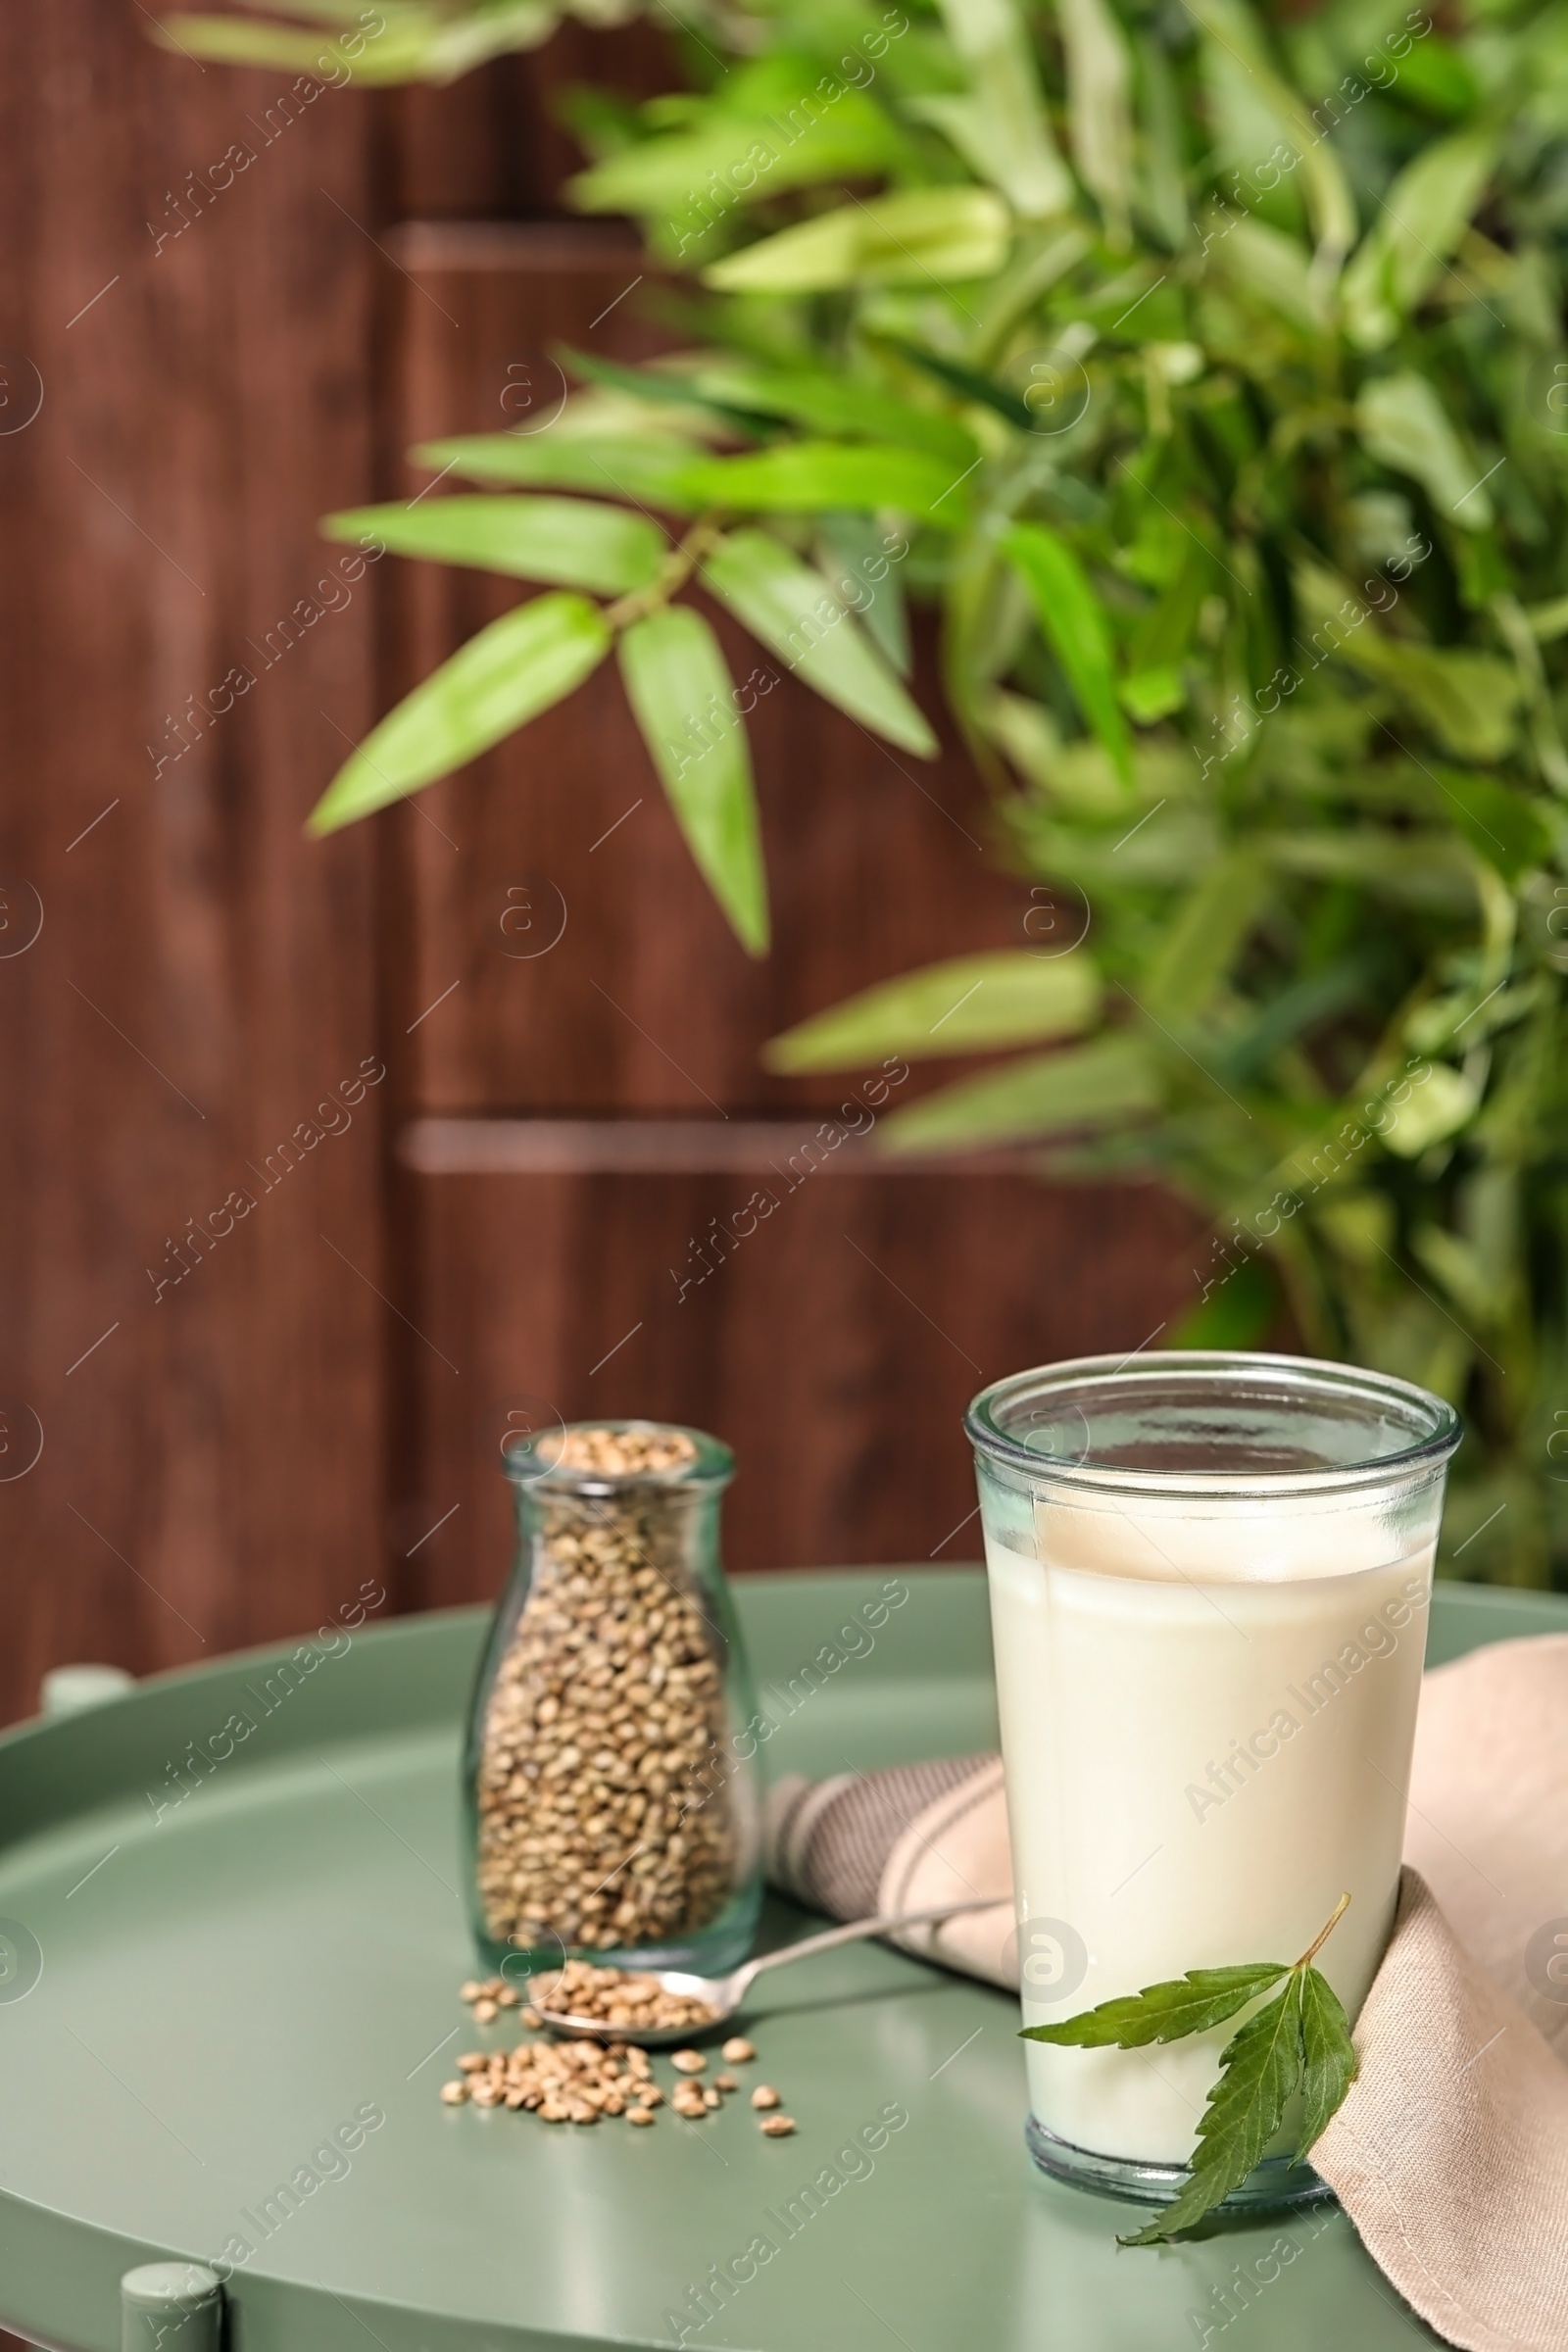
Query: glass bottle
[{"x": 612, "y": 1809}]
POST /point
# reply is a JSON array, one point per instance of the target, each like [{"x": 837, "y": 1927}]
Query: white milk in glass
[{"x": 1207, "y": 1716}]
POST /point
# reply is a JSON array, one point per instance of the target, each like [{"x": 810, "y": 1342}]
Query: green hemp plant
[
  {"x": 1202, "y": 366},
  {"x": 1297, "y": 2041}
]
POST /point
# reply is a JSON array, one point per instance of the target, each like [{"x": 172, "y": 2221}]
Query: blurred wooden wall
[{"x": 185, "y": 981}]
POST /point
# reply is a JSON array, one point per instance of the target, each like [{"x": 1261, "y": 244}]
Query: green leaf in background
[
  {"x": 1042, "y": 260},
  {"x": 339, "y": 11},
  {"x": 647, "y": 470},
  {"x": 1461, "y": 1271},
  {"x": 1150, "y": 695},
  {"x": 1498, "y": 823},
  {"x": 1238, "y": 39},
  {"x": 1196, "y": 2003},
  {"x": 1260, "y": 2069},
  {"x": 1239, "y": 1312},
  {"x": 1085, "y": 1087},
  {"x": 1075, "y": 627},
  {"x": 1466, "y": 699},
  {"x": 843, "y": 405},
  {"x": 770, "y": 127},
  {"x": 1419, "y": 222},
  {"x": 793, "y": 611},
  {"x": 958, "y": 376},
  {"x": 973, "y": 1002},
  {"x": 664, "y": 387},
  {"x": 1436, "y": 1109},
  {"x": 1548, "y": 621},
  {"x": 1266, "y": 266},
  {"x": 1208, "y": 932},
  {"x": 402, "y": 51},
  {"x": 530, "y": 658},
  {"x": 1160, "y": 181},
  {"x": 391, "y": 41},
  {"x": 926, "y": 236},
  {"x": 801, "y": 476},
  {"x": 566, "y": 541},
  {"x": 1000, "y": 125},
  {"x": 1420, "y": 870},
  {"x": 1403, "y": 424},
  {"x": 680, "y": 690},
  {"x": 1099, "y": 93},
  {"x": 857, "y": 557},
  {"x": 1325, "y": 993}
]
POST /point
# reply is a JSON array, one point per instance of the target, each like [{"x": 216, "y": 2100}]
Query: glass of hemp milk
[{"x": 1209, "y": 1580}]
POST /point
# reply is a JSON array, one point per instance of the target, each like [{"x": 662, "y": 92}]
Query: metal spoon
[{"x": 724, "y": 1994}]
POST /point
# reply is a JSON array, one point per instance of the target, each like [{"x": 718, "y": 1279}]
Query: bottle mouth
[
  {"x": 606, "y": 1456},
  {"x": 1200, "y": 1422}
]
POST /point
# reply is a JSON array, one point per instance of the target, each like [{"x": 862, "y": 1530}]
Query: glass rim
[
  {"x": 711, "y": 1466},
  {"x": 1438, "y": 1424}
]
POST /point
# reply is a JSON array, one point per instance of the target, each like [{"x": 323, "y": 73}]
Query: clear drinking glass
[
  {"x": 613, "y": 1813},
  {"x": 1210, "y": 1583}
]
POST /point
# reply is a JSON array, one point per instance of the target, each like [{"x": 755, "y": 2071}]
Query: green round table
[{"x": 229, "y": 1998}]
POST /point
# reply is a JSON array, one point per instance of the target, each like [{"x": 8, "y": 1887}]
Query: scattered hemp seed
[
  {"x": 588, "y": 2079},
  {"x": 561, "y": 2082},
  {"x": 737, "y": 2050},
  {"x": 485, "y": 2013}
]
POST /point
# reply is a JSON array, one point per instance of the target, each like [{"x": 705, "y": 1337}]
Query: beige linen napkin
[{"x": 1450, "y": 2153}]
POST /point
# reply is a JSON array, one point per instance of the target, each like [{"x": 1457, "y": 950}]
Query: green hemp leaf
[{"x": 1299, "y": 2040}]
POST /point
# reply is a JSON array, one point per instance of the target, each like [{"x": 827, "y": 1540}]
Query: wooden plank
[
  {"x": 842, "y": 1145},
  {"x": 835, "y": 1346},
  {"x": 495, "y": 144},
  {"x": 203, "y": 978}
]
